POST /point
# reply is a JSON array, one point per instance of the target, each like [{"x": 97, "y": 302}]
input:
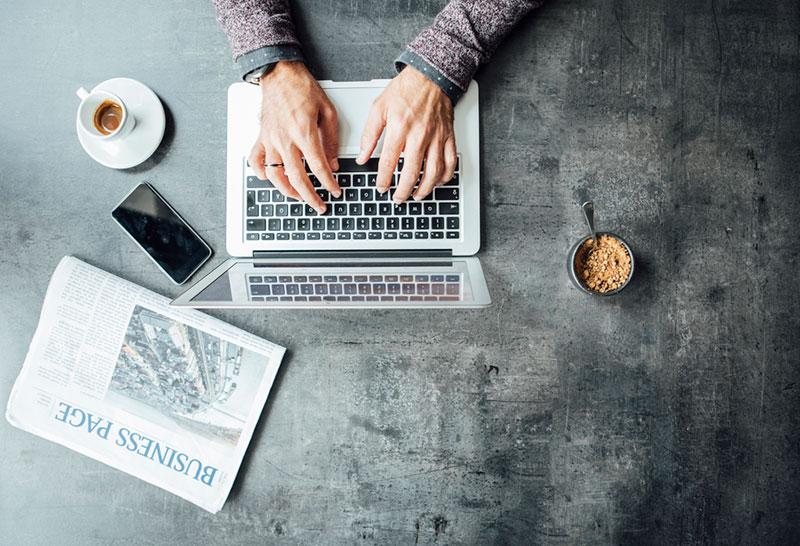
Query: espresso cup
[{"x": 103, "y": 115}]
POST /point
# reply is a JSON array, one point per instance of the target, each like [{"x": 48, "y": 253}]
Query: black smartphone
[{"x": 154, "y": 225}]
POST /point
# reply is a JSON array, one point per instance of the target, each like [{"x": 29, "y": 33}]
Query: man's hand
[
  {"x": 297, "y": 120},
  {"x": 418, "y": 119}
]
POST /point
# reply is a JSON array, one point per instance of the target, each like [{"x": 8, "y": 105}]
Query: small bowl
[{"x": 573, "y": 275}]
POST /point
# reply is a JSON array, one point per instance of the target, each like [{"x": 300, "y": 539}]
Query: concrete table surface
[{"x": 666, "y": 415}]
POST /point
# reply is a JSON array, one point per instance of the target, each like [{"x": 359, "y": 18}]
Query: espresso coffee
[{"x": 108, "y": 117}]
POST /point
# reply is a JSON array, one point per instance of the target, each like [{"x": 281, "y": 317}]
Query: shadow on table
[
  {"x": 258, "y": 430},
  {"x": 163, "y": 148}
]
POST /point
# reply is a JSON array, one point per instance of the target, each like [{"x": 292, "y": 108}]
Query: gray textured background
[{"x": 666, "y": 415}]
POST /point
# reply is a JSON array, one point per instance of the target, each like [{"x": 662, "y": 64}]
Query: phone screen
[{"x": 162, "y": 233}]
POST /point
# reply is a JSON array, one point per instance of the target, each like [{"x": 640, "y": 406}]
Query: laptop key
[
  {"x": 252, "y": 237},
  {"x": 379, "y": 289},
  {"x": 335, "y": 289},
  {"x": 303, "y": 224},
  {"x": 311, "y": 236},
  {"x": 370, "y": 209},
  {"x": 408, "y": 288},
  {"x": 323, "y": 194},
  {"x": 384, "y": 209},
  {"x": 451, "y": 289},
  {"x": 361, "y": 278},
  {"x": 300, "y": 278},
  {"x": 306, "y": 289},
  {"x": 364, "y": 289},
  {"x": 343, "y": 236},
  {"x": 393, "y": 288},
  {"x": 259, "y": 289},
  {"x": 329, "y": 278},
  {"x": 281, "y": 210},
  {"x": 298, "y": 236},
  {"x": 405, "y": 235},
  {"x": 289, "y": 224},
  {"x": 446, "y": 194},
  {"x": 342, "y": 298},
  {"x": 263, "y": 196},
  {"x": 309, "y": 211},
  {"x": 421, "y": 235},
  {"x": 343, "y": 180},
  {"x": 255, "y": 183},
  {"x": 278, "y": 197},
  {"x": 348, "y": 224},
  {"x": 406, "y": 278},
  {"x": 424, "y": 289},
  {"x": 359, "y": 235},
  {"x": 437, "y": 234},
  {"x": 267, "y": 210},
  {"x": 423, "y": 222},
  {"x": 407, "y": 223},
  {"x": 256, "y": 224},
  {"x": 282, "y": 236},
  {"x": 437, "y": 288},
  {"x": 393, "y": 223},
  {"x": 355, "y": 209},
  {"x": 390, "y": 235},
  {"x": 375, "y": 235},
  {"x": 437, "y": 222},
  {"x": 351, "y": 194},
  {"x": 452, "y": 278},
  {"x": 366, "y": 194},
  {"x": 453, "y": 181},
  {"x": 452, "y": 222},
  {"x": 382, "y": 196},
  {"x": 292, "y": 289},
  {"x": 377, "y": 223},
  {"x": 278, "y": 290},
  {"x": 350, "y": 289},
  {"x": 359, "y": 180},
  {"x": 317, "y": 224},
  {"x": 401, "y": 209},
  {"x": 320, "y": 289},
  {"x": 327, "y": 236},
  {"x": 448, "y": 208},
  {"x": 333, "y": 224},
  {"x": 415, "y": 208},
  {"x": 345, "y": 278},
  {"x": 372, "y": 179},
  {"x": 452, "y": 235},
  {"x": 340, "y": 209},
  {"x": 429, "y": 208},
  {"x": 362, "y": 223}
]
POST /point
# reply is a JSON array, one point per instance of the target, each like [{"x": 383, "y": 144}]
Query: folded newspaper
[{"x": 168, "y": 395}]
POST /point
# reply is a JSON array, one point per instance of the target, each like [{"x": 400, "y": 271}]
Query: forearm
[
  {"x": 260, "y": 32},
  {"x": 463, "y": 36}
]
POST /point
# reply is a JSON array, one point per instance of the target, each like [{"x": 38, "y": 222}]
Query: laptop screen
[{"x": 319, "y": 283}]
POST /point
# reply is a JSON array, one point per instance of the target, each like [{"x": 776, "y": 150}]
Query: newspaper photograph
[{"x": 169, "y": 396}]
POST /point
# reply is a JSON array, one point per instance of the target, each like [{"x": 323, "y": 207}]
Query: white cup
[{"x": 90, "y": 101}]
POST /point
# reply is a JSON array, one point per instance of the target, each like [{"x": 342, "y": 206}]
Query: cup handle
[{"x": 82, "y": 93}]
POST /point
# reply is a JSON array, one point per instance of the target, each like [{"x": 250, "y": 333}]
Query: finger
[
  {"x": 296, "y": 173},
  {"x": 412, "y": 163},
  {"x": 373, "y": 129},
  {"x": 256, "y": 160},
  {"x": 276, "y": 174},
  {"x": 329, "y": 133},
  {"x": 434, "y": 166},
  {"x": 319, "y": 164},
  {"x": 390, "y": 155},
  {"x": 450, "y": 159}
]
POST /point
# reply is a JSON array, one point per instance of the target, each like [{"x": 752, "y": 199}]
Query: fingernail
[
  {"x": 337, "y": 194},
  {"x": 360, "y": 158},
  {"x": 321, "y": 210},
  {"x": 335, "y": 164},
  {"x": 382, "y": 190},
  {"x": 417, "y": 197}
]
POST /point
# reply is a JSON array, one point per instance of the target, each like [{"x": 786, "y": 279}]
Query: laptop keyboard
[
  {"x": 360, "y": 213},
  {"x": 354, "y": 288}
]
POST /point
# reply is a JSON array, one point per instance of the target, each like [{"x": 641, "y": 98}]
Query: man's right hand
[{"x": 297, "y": 120}]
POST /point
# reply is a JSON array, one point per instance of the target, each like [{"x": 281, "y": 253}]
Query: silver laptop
[{"x": 365, "y": 251}]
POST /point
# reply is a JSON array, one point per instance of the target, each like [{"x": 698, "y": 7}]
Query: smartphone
[{"x": 154, "y": 225}]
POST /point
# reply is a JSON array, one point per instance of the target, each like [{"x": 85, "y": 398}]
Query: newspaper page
[{"x": 168, "y": 395}]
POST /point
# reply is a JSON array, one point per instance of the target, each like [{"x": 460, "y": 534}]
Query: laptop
[{"x": 365, "y": 251}]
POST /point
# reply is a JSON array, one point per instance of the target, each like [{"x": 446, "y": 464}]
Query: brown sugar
[{"x": 606, "y": 268}]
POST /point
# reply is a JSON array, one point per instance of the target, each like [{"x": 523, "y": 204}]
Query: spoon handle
[{"x": 588, "y": 214}]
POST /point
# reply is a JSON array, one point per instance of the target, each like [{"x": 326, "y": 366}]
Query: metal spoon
[{"x": 588, "y": 214}]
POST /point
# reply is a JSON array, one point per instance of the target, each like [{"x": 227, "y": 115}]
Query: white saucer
[{"x": 136, "y": 147}]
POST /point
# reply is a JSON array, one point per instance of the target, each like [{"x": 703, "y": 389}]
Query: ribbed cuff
[
  {"x": 408, "y": 57},
  {"x": 263, "y": 56}
]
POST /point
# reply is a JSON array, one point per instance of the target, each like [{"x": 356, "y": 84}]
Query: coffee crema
[{"x": 108, "y": 117}]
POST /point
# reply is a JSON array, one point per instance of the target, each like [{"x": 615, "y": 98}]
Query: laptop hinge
[{"x": 353, "y": 254}]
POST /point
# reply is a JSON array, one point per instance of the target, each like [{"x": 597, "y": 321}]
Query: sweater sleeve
[
  {"x": 462, "y": 37},
  {"x": 260, "y": 32}
]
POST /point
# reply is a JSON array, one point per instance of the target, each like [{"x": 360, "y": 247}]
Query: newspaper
[{"x": 168, "y": 395}]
